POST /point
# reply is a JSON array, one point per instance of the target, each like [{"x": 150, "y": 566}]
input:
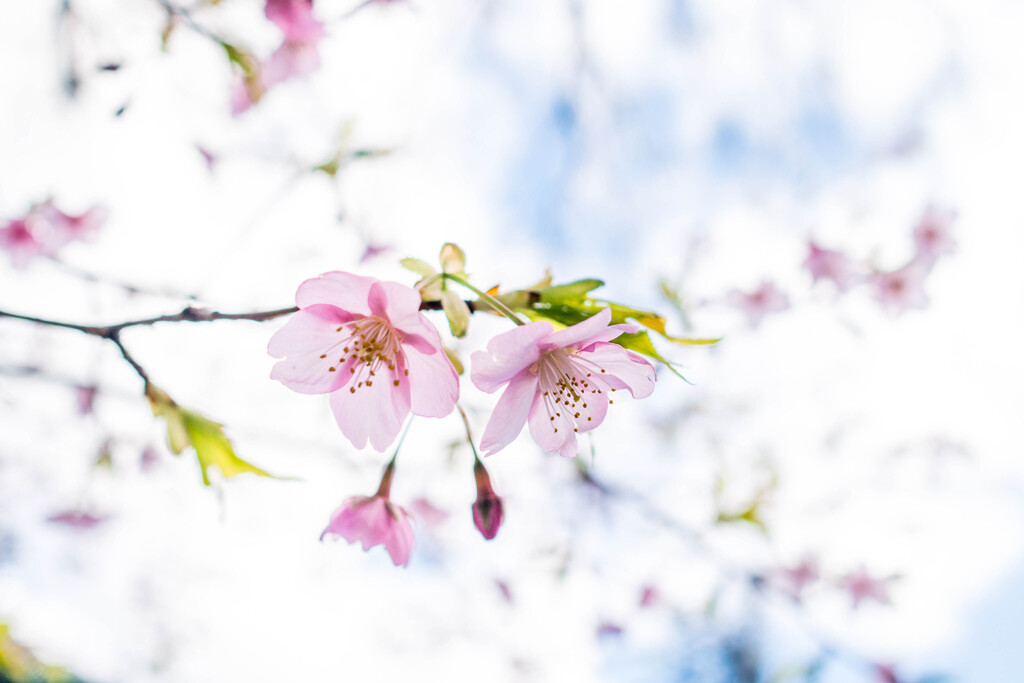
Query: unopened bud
[{"x": 488, "y": 511}]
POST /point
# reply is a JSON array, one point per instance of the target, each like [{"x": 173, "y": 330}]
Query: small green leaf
[
  {"x": 572, "y": 291},
  {"x": 455, "y": 360},
  {"x": 187, "y": 428},
  {"x": 214, "y": 449}
]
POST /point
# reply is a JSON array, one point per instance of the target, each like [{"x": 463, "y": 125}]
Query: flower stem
[
  {"x": 469, "y": 432},
  {"x": 500, "y": 307}
]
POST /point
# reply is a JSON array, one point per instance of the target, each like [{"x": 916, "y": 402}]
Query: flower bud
[{"x": 488, "y": 512}]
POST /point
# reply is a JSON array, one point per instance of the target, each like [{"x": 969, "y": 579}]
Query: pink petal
[
  {"x": 400, "y": 538},
  {"x": 310, "y": 334},
  {"x": 295, "y": 19},
  {"x": 623, "y": 369},
  {"x": 580, "y": 332},
  {"x": 510, "y": 414},
  {"x": 344, "y": 290},
  {"x": 375, "y": 412},
  {"x": 507, "y": 355},
  {"x": 553, "y": 436},
  {"x": 394, "y": 302},
  {"x": 288, "y": 61},
  {"x": 433, "y": 382}
]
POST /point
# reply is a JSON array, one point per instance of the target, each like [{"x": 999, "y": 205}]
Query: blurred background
[{"x": 835, "y": 495}]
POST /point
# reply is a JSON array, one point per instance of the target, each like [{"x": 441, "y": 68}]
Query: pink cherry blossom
[
  {"x": 794, "y": 580},
  {"x": 371, "y": 521},
  {"x": 861, "y": 586},
  {"x": 826, "y": 264},
  {"x": 366, "y": 344},
  {"x": 932, "y": 235},
  {"x": 67, "y": 228},
  {"x": 561, "y": 382},
  {"x": 295, "y": 19},
  {"x": 757, "y": 304},
  {"x": 23, "y": 240},
  {"x": 901, "y": 289}
]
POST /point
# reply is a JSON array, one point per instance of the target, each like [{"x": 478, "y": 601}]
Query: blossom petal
[
  {"x": 344, "y": 290},
  {"x": 507, "y": 355},
  {"x": 510, "y": 413},
  {"x": 308, "y": 344},
  {"x": 553, "y": 435},
  {"x": 374, "y": 411},
  {"x": 433, "y": 383},
  {"x": 580, "y": 332},
  {"x": 393, "y": 301},
  {"x": 621, "y": 368},
  {"x": 400, "y": 537}
]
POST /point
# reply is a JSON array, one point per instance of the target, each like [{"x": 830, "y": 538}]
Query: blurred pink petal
[
  {"x": 825, "y": 264},
  {"x": 901, "y": 289},
  {"x": 861, "y": 586},
  {"x": 366, "y": 343},
  {"x": 295, "y": 19},
  {"x": 757, "y": 304},
  {"x": 24, "y": 239},
  {"x": 794, "y": 580},
  {"x": 932, "y": 235},
  {"x": 427, "y": 512},
  {"x": 649, "y": 596},
  {"x": 561, "y": 382},
  {"x": 85, "y": 397},
  {"x": 76, "y": 519},
  {"x": 67, "y": 228}
]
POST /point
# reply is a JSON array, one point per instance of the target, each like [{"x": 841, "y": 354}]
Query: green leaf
[
  {"x": 572, "y": 291},
  {"x": 188, "y": 428},
  {"x": 19, "y": 665},
  {"x": 214, "y": 449}
]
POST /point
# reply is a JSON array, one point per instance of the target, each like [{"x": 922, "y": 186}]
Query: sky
[{"x": 693, "y": 143}]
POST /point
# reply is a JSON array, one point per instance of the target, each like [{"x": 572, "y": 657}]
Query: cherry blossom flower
[
  {"x": 861, "y": 586},
  {"x": 375, "y": 520},
  {"x": 77, "y": 519},
  {"x": 560, "y": 381},
  {"x": 371, "y": 521},
  {"x": 764, "y": 300},
  {"x": 366, "y": 344},
  {"x": 488, "y": 509},
  {"x": 22, "y": 241},
  {"x": 901, "y": 289},
  {"x": 67, "y": 228},
  {"x": 826, "y": 264},
  {"x": 295, "y": 19},
  {"x": 932, "y": 236},
  {"x": 794, "y": 580}
]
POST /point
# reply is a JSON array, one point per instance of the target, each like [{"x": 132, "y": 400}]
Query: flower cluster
[
  {"x": 368, "y": 345},
  {"x": 44, "y": 230}
]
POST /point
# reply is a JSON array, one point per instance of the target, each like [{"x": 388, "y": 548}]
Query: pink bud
[{"x": 488, "y": 512}]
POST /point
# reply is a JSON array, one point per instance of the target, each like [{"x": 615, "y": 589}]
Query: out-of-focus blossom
[
  {"x": 85, "y": 397},
  {"x": 488, "y": 509},
  {"x": 932, "y": 235},
  {"x": 375, "y": 520},
  {"x": 45, "y": 230},
  {"x": 295, "y": 19},
  {"x": 561, "y": 381},
  {"x": 609, "y": 629},
  {"x": 649, "y": 596},
  {"x": 427, "y": 513},
  {"x": 76, "y": 519},
  {"x": 901, "y": 289},
  {"x": 149, "y": 459},
  {"x": 794, "y": 580},
  {"x": 67, "y": 228},
  {"x": 861, "y": 586},
  {"x": 291, "y": 60},
  {"x": 22, "y": 239},
  {"x": 757, "y": 304},
  {"x": 365, "y": 343},
  {"x": 209, "y": 158},
  {"x": 372, "y": 251},
  {"x": 826, "y": 264}
]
